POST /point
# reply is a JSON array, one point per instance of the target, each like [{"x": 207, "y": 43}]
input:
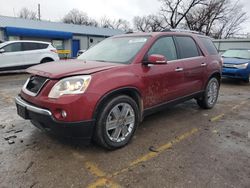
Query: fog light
[{"x": 64, "y": 114}]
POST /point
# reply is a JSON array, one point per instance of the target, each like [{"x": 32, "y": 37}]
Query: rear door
[
  {"x": 194, "y": 64},
  {"x": 33, "y": 52},
  {"x": 163, "y": 82},
  {"x": 12, "y": 57}
]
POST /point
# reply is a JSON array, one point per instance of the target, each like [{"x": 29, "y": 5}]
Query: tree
[
  {"x": 217, "y": 18},
  {"x": 78, "y": 17},
  {"x": 121, "y": 24},
  {"x": 150, "y": 23},
  {"x": 174, "y": 11},
  {"x": 27, "y": 14}
]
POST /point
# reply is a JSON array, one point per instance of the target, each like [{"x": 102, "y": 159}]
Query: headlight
[
  {"x": 241, "y": 66},
  {"x": 70, "y": 85}
]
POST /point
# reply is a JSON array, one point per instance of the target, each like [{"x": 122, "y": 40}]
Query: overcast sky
[{"x": 54, "y": 10}]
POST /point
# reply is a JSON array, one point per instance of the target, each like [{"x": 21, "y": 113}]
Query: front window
[
  {"x": 241, "y": 54},
  {"x": 116, "y": 50}
]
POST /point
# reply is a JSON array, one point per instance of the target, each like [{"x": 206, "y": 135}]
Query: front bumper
[
  {"x": 43, "y": 119},
  {"x": 235, "y": 73}
]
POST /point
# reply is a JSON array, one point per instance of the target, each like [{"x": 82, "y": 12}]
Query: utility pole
[{"x": 39, "y": 12}]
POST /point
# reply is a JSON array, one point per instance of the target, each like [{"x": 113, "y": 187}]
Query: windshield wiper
[{"x": 100, "y": 60}]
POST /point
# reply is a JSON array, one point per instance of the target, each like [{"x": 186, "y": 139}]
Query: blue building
[{"x": 62, "y": 36}]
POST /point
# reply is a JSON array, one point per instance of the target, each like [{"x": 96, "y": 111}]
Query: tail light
[
  {"x": 222, "y": 61},
  {"x": 55, "y": 51}
]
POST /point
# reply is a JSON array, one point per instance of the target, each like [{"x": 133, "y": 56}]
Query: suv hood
[
  {"x": 235, "y": 61},
  {"x": 66, "y": 68}
]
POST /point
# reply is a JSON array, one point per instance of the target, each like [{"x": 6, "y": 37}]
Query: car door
[
  {"x": 194, "y": 64},
  {"x": 163, "y": 82},
  {"x": 33, "y": 52},
  {"x": 12, "y": 56}
]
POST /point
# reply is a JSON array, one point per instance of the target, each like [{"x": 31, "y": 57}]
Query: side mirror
[
  {"x": 2, "y": 51},
  {"x": 156, "y": 59}
]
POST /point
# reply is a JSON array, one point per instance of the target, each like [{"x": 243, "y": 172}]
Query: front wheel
[
  {"x": 210, "y": 96},
  {"x": 117, "y": 122}
]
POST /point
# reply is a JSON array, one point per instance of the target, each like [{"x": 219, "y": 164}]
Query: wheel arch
[
  {"x": 129, "y": 91},
  {"x": 216, "y": 75},
  {"x": 46, "y": 58}
]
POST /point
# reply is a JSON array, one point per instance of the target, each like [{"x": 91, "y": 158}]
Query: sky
[{"x": 54, "y": 10}]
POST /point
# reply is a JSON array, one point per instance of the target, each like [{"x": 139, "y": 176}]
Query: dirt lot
[{"x": 180, "y": 147}]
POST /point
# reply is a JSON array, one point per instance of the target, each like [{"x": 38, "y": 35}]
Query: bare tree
[
  {"x": 174, "y": 11},
  {"x": 150, "y": 23},
  {"x": 27, "y": 14},
  {"x": 217, "y": 18},
  {"x": 78, "y": 17},
  {"x": 121, "y": 24}
]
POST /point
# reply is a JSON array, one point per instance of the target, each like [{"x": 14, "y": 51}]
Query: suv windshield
[
  {"x": 116, "y": 50},
  {"x": 242, "y": 54}
]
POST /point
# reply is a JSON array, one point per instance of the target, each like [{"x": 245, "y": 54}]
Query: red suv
[{"x": 110, "y": 88}]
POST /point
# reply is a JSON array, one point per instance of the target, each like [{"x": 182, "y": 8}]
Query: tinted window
[
  {"x": 209, "y": 46},
  {"x": 15, "y": 47},
  {"x": 187, "y": 47},
  {"x": 164, "y": 46},
  {"x": 33, "y": 46}
]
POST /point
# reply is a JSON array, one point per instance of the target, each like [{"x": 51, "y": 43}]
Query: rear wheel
[
  {"x": 210, "y": 96},
  {"x": 46, "y": 60},
  {"x": 117, "y": 122}
]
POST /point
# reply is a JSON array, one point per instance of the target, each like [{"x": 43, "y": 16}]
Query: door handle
[
  {"x": 179, "y": 69},
  {"x": 203, "y": 64}
]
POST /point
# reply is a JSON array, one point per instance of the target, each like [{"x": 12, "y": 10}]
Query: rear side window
[
  {"x": 26, "y": 46},
  {"x": 164, "y": 46},
  {"x": 187, "y": 47},
  {"x": 14, "y": 47},
  {"x": 209, "y": 45}
]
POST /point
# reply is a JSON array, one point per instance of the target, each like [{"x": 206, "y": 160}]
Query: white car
[{"x": 16, "y": 55}]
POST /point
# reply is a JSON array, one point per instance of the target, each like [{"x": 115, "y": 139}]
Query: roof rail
[{"x": 182, "y": 30}]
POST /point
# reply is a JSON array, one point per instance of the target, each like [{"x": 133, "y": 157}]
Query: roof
[
  {"x": 31, "y": 41},
  {"x": 56, "y": 26}
]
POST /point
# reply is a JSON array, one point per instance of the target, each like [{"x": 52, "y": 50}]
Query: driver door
[
  {"x": 12, "y": 56},
  {"x": 163, "y": 82}
]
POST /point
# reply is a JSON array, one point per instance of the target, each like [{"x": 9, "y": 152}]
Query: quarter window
[
  {"x": 187, "y": 47},
  {"x": 164, "y": 46},
  {"x": 209, "y": 46}
]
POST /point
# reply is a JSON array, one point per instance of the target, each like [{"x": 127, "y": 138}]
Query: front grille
[{"x": 35, "y": 84}]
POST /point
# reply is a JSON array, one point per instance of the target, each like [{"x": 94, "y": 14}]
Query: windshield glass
[
  {"x": 115, "y": 50},
  {"x": 242, "y": 54}
]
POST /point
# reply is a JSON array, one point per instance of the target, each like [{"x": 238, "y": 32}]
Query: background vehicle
[
  {"x": 110, "y": 88},
  {"x": 237, "y": 64},
  {"x": 15, "y": 55}
]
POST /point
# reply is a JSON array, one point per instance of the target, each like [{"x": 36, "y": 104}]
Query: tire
[
  {"x": 111, "y": 130},
  {"x": 46, "y": 60},
  {"x": 210, "y": 96}
]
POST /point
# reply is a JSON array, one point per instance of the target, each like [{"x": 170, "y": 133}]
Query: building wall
[
  {"x": 225, "y": 44},
  {"x": 95, "y": 40},
  {"x": 83, "y": 41}
]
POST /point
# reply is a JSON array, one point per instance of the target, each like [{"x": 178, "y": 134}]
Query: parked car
[
  {"x": 110, "y": 88},
  {"x": 16, "y": 55},
  {"x": 80, "y": 52},
  {"x": 237, "y": 64}
]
